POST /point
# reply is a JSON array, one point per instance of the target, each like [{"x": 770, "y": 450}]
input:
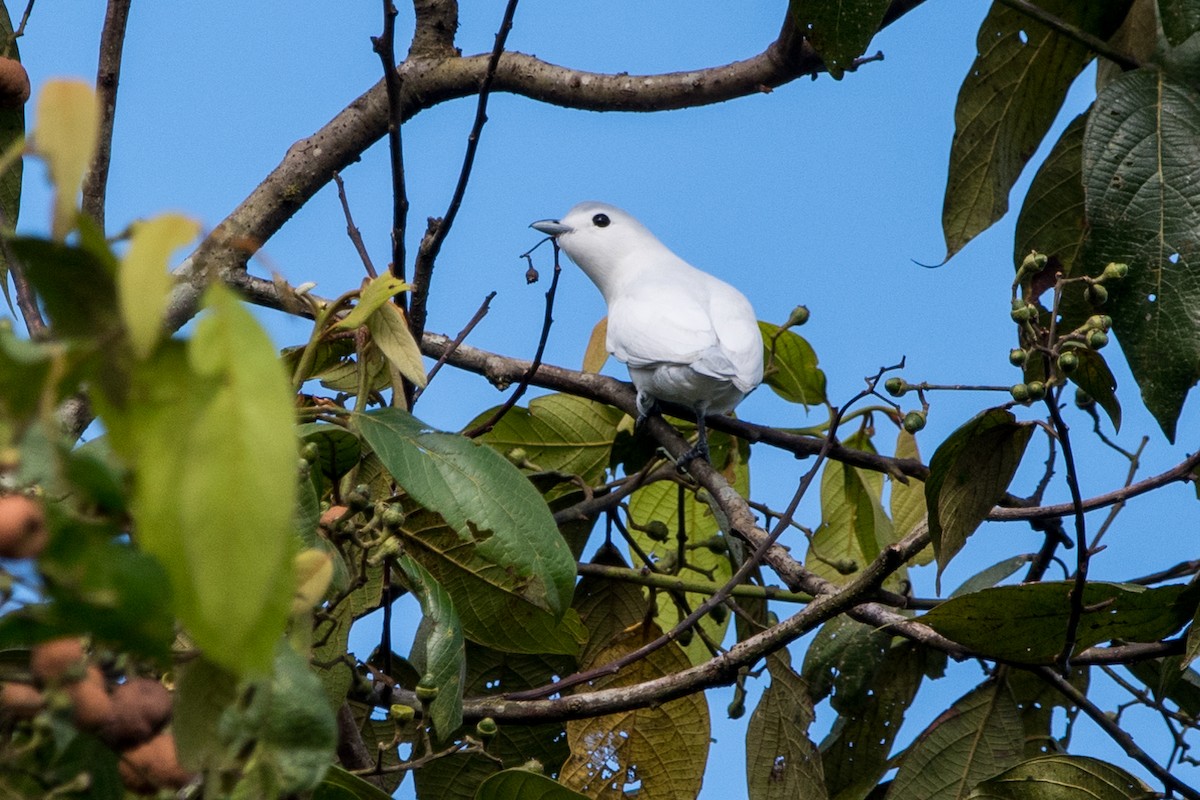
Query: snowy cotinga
[{"x": 687, "y": 337}]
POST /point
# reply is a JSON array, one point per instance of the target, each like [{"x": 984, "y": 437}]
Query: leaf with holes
[
  {"x": 1143, "y": 204},
  {"x": 1062, "y": 777},
  {"x": 781, "y": 761},
  {"x": 839, "y": 30}
]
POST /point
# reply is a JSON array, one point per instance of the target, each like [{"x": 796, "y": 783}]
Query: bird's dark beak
[{"x": 550, "y": 227}]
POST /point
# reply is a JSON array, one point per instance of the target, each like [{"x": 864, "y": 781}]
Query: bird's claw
[{"x": 700, "y": 450}]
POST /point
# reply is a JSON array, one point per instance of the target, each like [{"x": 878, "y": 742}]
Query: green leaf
[
  {"x": 1180, "y": 19},
  {"x": 207, "y": 430},
  {"x": 143, "y": 281},
  {"x": 855, "y": 753},
  {"x": 76, "y": 286},
  {"x": 68, "y": 125},
  {"x": 659, "y": 502},
  {"x": 491, "y": 599},
  {"x": 338, "y": 784},
  {"x": 374, "y": 295},
  {"x": 1094, "y": 377},
  {"x": 975, "y": 738},
  {"x": 987, "y": 578},
  {"x": 443, "y": 659},
  {"x": 559, "y": 433},
  {"x": 1143, "y": 205},
  {"x": 1062, "y": 777},
  {"x": 521, "y": 784},
  {"x": 1027, "y": 624},
  {"x": 781, "y": 761},
  {"x": 791, "y": 371},
  {"x": 1052, "y": 219},
  {"x": 907, "y": 501},
  {"x": 1007, "y": 102},
  {"x": 968, "y": 474},
  {"x": 338, "y": 449},
  {"x": 495, "y": 511},
  {"x": 839, "y": 30},
  {"x": 390, "y": 333},
  {"x": 25, "y": 367},
  {"x": 1043, "y": 708},
  {"x": 203, "y": 691},
  {"x": 285, "y": 726},
  {"x": 1168, "y": 679},
  {"x": 844, "y": 658}
]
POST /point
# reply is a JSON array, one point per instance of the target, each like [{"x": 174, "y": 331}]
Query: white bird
[{"x": 687, "y": 337}]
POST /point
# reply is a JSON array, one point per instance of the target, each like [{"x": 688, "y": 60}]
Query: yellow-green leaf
[
  {"x": 597, "y": 347},
  {"x": 389, "y": 330},
  {"x": 376, "y": 292},
  {"x": 143, "y": 281},
  {"x": 68, "y": 123}
]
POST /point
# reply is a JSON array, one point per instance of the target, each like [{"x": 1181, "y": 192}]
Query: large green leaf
[
  {"x": 1007, "y": 102},
  {"x": 1180, "y": 19},
  {"x": 521, "y": 784},
  {"x": 495, "y": 511},
  {"x": 491, "y": 599},
  {"x": 1028, "y": 623},
  {"x": 1052, "y": 219},
  {"x": 791, "y": 366},
  {"x": 839, "y": 30},
  {"x": 781, "y": 761},
  {"x": 207, "y": 428},
  {"x": 443, "y": 659},
  {"x": 968, "y": 474},
  {"x": 1043, "y": 708},
  {"x": 1062, "y": 777},
  {"x": 558, "y": 432},
  {"x": 975, "y": 738},
  {"x": 1143, "y": 204},
  {"x": 844, "y": 659},
  {"x": 338, "y": 784}
]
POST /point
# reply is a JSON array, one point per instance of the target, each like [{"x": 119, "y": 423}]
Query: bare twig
[
  {"x": 1083, "y": 553},
  {"x": 352, "y": 229},
  {"x": 435, "y": 236},
  {"x": 26, "y": 297},
  {"x": 20, "y": 31},
  {"x": 1115, "y": 732},
  {"x": 108, "y": 76},
  {"x": 480, "y": 313},
  {"x": 547, "y": 321}
]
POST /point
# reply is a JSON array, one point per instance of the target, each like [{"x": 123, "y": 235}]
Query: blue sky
[{"x": 821, "y": 192}]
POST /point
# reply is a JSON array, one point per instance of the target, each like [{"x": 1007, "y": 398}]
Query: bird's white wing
[{"x": 701, "y": 322}]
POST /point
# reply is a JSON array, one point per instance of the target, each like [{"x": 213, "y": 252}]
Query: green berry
[
  {"x": 1097, "y": 340},
  {"x": 896, "y": 387},
  {"x": 1020, "y": 393},
  {"x": 1036, "y": 389},
  {"x": 426, "y": 692},
  {"x": 719, "y": 613},
  {"x": 1115, "y": 272},
  {"x": 914, "y": 421},
  {"x": 1017, "y": 357},
  {"x": 393, "y": 516},
  {"x": 1096, "y": 294},
  {"x": 310, "y": 452},
  {"x": 658, "y": 531},
  {"x": 402, "y": 713},
  {"x": 1083, "y": 399},
  {"x": 1068, "y": 362},
  {"x": 486, "y": 728},
  {"x": 798, "y": 317}
]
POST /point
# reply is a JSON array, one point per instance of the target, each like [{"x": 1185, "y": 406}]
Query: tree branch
[{"x": 108, "y": 75}]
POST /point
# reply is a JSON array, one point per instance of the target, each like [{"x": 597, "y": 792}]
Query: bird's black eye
[{"x": 601, "y": 220}]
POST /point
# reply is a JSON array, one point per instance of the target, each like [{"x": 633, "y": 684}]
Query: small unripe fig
[
  {"x": 657, "y": 530},
  {"x": 1020, "y": 393},
  {"x": 399, "y": 712},
  {"x": 914, "y": 421},
  {"x": 486, "y": 728},
  {"x": 394, "y": 516},
  {"x": 1083, "y": 399},
  {"x": 1097, "y": 340},
  {"x": 1115, "y": 271},
  {"x": 719, "y": 613},
  {"x": 310, "y": 452},
  {"x": 1096, "y": 294},
  {"x": 1017, "y": 357},
  {"x": 1068, "y": 362},
  {"x": 359, "y": 497},
  {"x": 896, "y": 387},
  {"x": 798, "y": 317},
  {"x": 426, "y": 692},
  {"x": 518, "y": 455},
  {"x": 1036, "y": 389}
]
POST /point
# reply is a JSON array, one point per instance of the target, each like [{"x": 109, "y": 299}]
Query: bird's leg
[
  {"x": 700, "y": 450},
  {"x": 646, "y": 405}
]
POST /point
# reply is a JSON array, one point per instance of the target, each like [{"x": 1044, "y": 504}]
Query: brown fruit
[
  {"x": 20, "y": 700},
  {"x": 153, "y": 765},
  {"x": 58, "y": 660},
  {"x": 141, "y": 707},
  {"x": 90, "y": 700},
  {"x": 23, "y": 532},
  {"x": 14, "y": 83},
  {"x": 332, "y": 515}
]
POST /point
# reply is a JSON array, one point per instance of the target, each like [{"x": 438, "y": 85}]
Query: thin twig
[
  {"x": 108, "y": 76},
  {"x": 26, "y": 298},
  {"x": 385, "y": 46},
  {"x": 1115, "y": 731},
  {"x": 1083, "y": 553},
  {"x": 480, "y": 313},
  {"x": 547, "y": 321},
  {"x": 20, "y": 31},
  {"x": 435, "y": 236},
  {"x": 352, "y": 229},
  {"x": 1093, "y": 43}
]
